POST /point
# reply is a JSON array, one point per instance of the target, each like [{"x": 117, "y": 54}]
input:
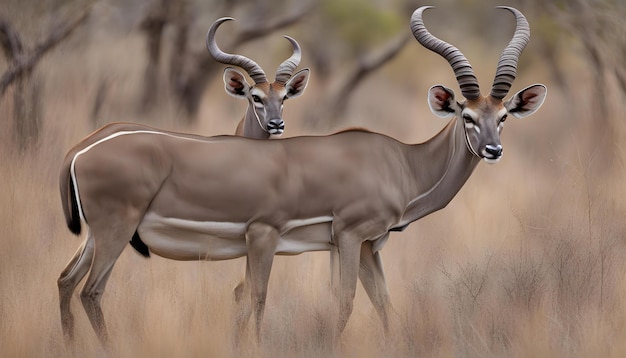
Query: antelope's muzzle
[{"x": 276, "y": 126}]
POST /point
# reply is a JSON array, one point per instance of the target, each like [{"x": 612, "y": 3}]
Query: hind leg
[
  {"x": 243, "y": 306},
  {"x": 68, "y": 280},
  {"x": 261, "y": 241},
  {"x": 108, "y": 245}
]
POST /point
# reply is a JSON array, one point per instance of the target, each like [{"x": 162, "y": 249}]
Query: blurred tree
[
  {"x": 360, "y": 24},
  {"x": 598, "y": 27},
  {"x": 22, "y": 62},
  {"x": 366, "y": 31},
  {"x": 152, "y": 25},
  {"x": 190, "y": 72},
  {"x": 335, "y": 98}
]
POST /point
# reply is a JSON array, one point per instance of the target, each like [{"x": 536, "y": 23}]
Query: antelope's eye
[
  {"x": 468, "y": 119},
  {"x": 503, "y": 118},
  {"x": 256, "y": 98}
]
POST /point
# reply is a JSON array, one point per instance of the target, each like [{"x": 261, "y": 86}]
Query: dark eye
[
  {"x": 285, "y": 98},
  {"x": 468, "y": 119},
  {"x": 256, "y": 98},
  {"x": 503, "y": 118}
]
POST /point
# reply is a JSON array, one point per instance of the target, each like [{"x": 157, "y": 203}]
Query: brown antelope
[
  {"x": 219, "y": 198},
  {"x": 265, "y": 100}
]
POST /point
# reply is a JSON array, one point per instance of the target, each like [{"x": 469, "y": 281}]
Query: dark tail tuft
[
  {"x": 73, "y": 221},
  {"x": 139, "y": 245}
]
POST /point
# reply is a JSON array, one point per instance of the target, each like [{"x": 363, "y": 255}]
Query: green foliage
[
  {"x": 361, "y": 24},
  {"x": 547, "y": 29}
]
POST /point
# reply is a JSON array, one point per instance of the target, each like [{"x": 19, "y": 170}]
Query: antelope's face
[
  {"x": 484, "y": 117},
  {"x": 483, "y": 120},
  {"x": 266, "y": 100}
]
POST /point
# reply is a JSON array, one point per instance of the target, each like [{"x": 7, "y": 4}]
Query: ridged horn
[
  {"x": 285, "y": 70},
  {"x": 507, "y": 65},
  {"x": 254, "y": 70},
  {"x": 462, "y": 69}
]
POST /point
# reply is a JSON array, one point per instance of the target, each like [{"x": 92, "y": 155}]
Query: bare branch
[
  {"x": 10, "y": 41},
  {"x": 337, "y": 99},
  {"x": 26, "y": 64},
  {"x": 373, "y": 61},
  {"x": 190, "y": 86},
  {"x": 263, "y": 27}
]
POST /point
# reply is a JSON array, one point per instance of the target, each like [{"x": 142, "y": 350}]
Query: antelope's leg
[
  {"x": 242, "y": 293},
  {"x": 372, "y": 277},
  {"x": 108, "y": 245},
  {"x": 334, "y": 267},
  {"x": 348, "y": 257},
  {"x": 261, "y": 240},
  {"x": 75, "y": 270}
]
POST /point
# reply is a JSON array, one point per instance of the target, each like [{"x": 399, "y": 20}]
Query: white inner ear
[
  {"x": 297, "y": 83},
  {"x": 232, "y": 75},
  {"x": 532, "y": 105},
  {"x": 437, "y": 106}
]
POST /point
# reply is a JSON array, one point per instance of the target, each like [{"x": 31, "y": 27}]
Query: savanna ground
[{"x": 527, "y": 261}]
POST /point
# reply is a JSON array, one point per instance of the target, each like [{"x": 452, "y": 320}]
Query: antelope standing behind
[{"x": 218, "y": 198}]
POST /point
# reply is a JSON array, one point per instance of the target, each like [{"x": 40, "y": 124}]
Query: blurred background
[{"x": 527, "y": 260}]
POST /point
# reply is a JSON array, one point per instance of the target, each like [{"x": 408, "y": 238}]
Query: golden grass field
[{"x": 527, "y": 261}]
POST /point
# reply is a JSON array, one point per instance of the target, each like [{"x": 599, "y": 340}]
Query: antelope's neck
[
  {"x": 250, "y": 127},
  {"x": 440, "y": 167}
]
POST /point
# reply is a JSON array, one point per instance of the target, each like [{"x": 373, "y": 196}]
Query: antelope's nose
[
  {"x": 276, "y": 126},
  {"x": 494, "y": 150}
]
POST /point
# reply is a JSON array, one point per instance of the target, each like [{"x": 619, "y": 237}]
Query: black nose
[
  {"x": 495, "y": 150},
  {"x": 276, "y": 126}
]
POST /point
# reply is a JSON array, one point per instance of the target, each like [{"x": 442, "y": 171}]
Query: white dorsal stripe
[{"x": 114, "y": 135}]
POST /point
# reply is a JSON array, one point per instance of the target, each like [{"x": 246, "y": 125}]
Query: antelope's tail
[
  {"x": 139, "y": 245},
  {"x": 69, "y": 199}
]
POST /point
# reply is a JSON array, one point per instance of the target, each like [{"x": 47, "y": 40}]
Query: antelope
[
  {"x": 219, "y": 198},
  {"x": 263, "y": 117}
]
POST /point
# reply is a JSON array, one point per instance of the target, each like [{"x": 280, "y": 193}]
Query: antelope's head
[
  {"x": 483, "y": 116},
  {"x": 264, "y": 98}
]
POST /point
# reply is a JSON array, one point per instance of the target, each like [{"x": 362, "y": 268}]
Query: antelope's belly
[
  {"x": 181, "y": 239},
  {"x": 300, "y": 236}
]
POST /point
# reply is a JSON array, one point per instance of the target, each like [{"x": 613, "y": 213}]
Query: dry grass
[{"x": 528, "y": 260}]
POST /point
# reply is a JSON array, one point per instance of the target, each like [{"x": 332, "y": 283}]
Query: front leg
[
  {"x": 372, "y": 277},
  {"x": 345, "y": 275}
]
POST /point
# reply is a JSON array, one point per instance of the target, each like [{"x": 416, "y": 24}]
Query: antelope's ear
[
  {"x": 297, "y": 83},
  {"x": 527, "y": 101},
  {"x": 235, "y": 83},
  {"x": 441, "y": 101}
]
